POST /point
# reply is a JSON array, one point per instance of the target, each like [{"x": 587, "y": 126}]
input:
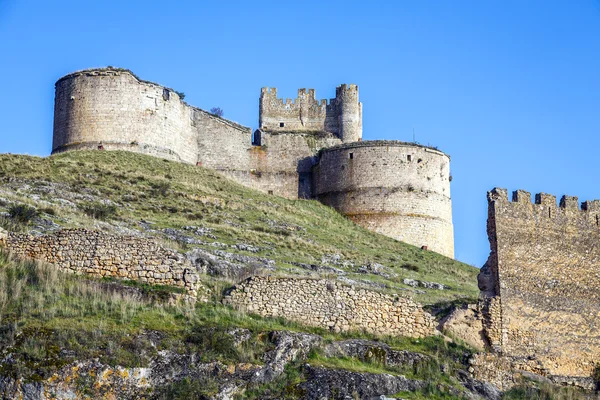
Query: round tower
[
  {"x": 349, "y": 113},
  {"x": 401, "y": 190},
  {"x": 111, "y": 109}
]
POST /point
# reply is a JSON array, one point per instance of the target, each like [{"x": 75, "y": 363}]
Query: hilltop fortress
[{"x": 303, "y": 149}]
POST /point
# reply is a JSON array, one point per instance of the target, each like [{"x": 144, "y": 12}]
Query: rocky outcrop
[
  {"x": 370, "y": 351},
  {"x": 324, "y": 383}
]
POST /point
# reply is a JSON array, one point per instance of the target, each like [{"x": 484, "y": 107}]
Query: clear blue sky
[{"x": 510, "y": 89}]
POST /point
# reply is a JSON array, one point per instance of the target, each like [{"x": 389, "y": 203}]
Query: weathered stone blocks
[{"x": 330, "y": 304}]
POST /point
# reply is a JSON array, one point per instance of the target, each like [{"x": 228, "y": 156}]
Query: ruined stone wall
[
  {"x": 100, "y": 254},
  {"x": 542, "y": 281},
  {"x": 330, "y": 304},
  {"x": 397, "y": 189},
  {"x": 342, "y": 116},
  {"x": 114, "y": 109}
]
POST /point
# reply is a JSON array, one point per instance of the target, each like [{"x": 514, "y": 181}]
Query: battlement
[
  {"x": 542, "y": 276},
  {"x": 341, "y": 115},
  {"x": 523, "y": 197}
]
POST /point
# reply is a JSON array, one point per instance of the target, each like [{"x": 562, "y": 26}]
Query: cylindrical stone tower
[
  {"x": 112, "y": 109},
  {"x": 398, "y": 189},
  {"x": 349, "y": 113}
]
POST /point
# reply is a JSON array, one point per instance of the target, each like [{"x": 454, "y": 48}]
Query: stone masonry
[
  {"x": 332, "y": 305},
  {"x": 301, "y": 149},
  {"x": 539, "y": 287},
  {"x": 100, "y": 254}
]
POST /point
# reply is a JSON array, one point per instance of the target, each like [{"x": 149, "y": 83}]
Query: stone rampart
[
  {"x": 540, "y": 285},
  {"x": 100, "y": 254},
  {"x": 333, "y": 305},
  {"x": 112, "y": 109},
  {"x": 401, "y": 190}
]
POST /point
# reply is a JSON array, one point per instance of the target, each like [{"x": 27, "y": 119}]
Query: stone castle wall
[
  {"x": 114, "y": 109},
  {"x": 103, "y": 255},
  {"x": 330, "y": 304},
  {"x": 342, "y": 116},
  {"x": 397, "y": 189},
  {"x": 540, "y": 284}
]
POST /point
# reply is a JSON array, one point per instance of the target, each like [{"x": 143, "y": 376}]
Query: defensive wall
[
  {"x": 341, "y": 116},
  {"x": 333, "y": 305},
  {"x": 540, "y": 285},
  {"x": 300, "y": 151},
  {"x": 113, "y": 109},
  {"x": 397, "y": 189},
  {"x": 100, "y": 254}
]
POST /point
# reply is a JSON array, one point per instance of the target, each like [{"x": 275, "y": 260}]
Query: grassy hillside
[{"x": 124, "y": 191}]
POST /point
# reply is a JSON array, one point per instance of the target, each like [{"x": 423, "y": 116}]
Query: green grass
[{"x": 110, "y": 190}]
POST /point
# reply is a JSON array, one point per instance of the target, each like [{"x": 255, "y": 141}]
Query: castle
[{"x": 302, "y": 149}]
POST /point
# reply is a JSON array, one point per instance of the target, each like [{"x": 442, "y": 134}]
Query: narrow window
[
  {"x": 270, "y": 192},
  {"x": 281, "y": 124},
  {"x": 351, "y": 156},
  {"x": 409, "y": 157},
  {"x": 549, "y": 212},
  {"x": 597, "y": 220},
  {"x": 166, "y": 94}
]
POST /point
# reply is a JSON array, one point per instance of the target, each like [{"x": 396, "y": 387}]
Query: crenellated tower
[{"x": 341, "y": 116}]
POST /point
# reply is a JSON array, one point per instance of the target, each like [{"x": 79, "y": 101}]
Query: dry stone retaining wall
[
  {"x": 100, "y": 254},
  {"x": 330, "y": 304}
]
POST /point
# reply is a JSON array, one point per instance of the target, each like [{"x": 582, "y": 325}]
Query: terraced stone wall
[
  {"x": 100, "y": 254},
  {"x": 332, "y": 305}
]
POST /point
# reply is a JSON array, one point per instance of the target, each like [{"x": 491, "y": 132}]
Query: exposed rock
[
  {"x": 377, "y": 269},
  {"x": 428, "y": 285},
  {"x": 466, "y": 324},
  {"x": 232, "y": 266},
  {"x": 289, "y": 346},
  {"x": 324, "y": 383},
  {"x": 483, "y": 389},
  {"x": 319, "y": 268},
  {"x": 369, "y": 351}
]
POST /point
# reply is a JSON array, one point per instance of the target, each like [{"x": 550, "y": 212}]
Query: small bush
[
  {"x": 216, "y": 111},
  {"x": 99, "y": 210},
  {"x": 49, "y": 211},
  {"x": 161, "y": 188},
  {"x": 23, "y": 213},
  {"x": 410, "y": 267}
]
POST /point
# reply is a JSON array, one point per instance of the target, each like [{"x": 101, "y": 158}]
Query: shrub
[
  {"x": 180, "y": 94},
  {"x": 216, "y": 111},
  {"x": 23, "y": 213},
  {"x": 99, "y": 210},
  {"x": 161, "y": 188}
]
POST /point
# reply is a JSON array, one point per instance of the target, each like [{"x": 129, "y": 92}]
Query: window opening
[
  {"x": 549, "y": 212},
  {"x": 270, "y": 192},
  {"x": 281, "y": 124},
  {"x": 351, "y": 156},
  {"x": 409, "y": 157},
  {"x": 166, "y": 94}
]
